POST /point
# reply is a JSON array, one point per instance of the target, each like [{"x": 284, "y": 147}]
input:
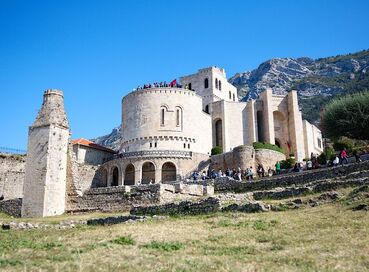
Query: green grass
[
  {"x": 330, "y": 237},
  {"x": 124, "y": 241},
  {"x": 165, "y": 246}
]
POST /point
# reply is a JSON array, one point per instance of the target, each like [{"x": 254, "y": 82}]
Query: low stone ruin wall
[
  {"x": 123, "y": 198},
  {"x": 205, "y": 206},
  {"x": 11, "y": 207},
  {"x": 229, "y": 185},
  {"x": 120, "y": 198}
]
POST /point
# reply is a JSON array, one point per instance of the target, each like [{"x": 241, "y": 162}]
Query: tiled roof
[{"x": 88, "y": 143}]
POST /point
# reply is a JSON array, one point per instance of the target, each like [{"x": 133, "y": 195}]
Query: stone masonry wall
[
  {"x": 11, "y": 176},
  {"x": 230, "y": 185},
  {"x": 245, "y": 156},
  {"x": 120, "y": 198}
]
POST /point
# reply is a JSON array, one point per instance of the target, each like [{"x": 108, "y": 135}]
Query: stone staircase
[{"x": 299, "y": 183}]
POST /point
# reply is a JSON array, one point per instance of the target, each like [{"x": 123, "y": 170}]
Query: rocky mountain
[
  {"x": 316, "y": 81},
  {"x": 111, "y": 140}
]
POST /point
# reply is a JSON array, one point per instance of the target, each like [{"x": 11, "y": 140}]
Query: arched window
[
  {"x": 216, "y": 83},
  {"x": 220, "y": 85},
  {"x": 230, "y": 95},
  {"x": 206, "y": 83},
  {"x": 162, "y": 116}
]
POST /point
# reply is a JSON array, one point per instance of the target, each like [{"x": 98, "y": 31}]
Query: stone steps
[
  {"x": 356, "y": 170},
  {"x": 314, "y": 187}
]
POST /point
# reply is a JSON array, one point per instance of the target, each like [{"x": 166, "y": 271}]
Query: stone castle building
[{"x": 167, "y": 133}]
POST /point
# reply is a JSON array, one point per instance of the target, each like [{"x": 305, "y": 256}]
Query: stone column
[
  {"x": 138, "y": 174},
  {"x": 158, "y": 176},
  {"x": 268, "y": 126},
  {"x": 251, "y": 122},
  {"x": 295, "y": 126},
  {"x": 44, "y": 188}
]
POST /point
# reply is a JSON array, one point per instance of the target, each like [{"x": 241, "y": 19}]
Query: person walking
[
  {"x": 278, "y": 168},
  {"x": 343, "y": 156}
]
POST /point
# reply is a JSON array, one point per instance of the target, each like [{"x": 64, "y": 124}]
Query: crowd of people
[
  {"x": 248, "y": 174},
  {"x": 163, "y": 84}
]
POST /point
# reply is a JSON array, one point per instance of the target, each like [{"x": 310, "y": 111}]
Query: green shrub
[
  {"x": 260, "y": 145},
  {"x": 216, "y": 150},
  {"x": 330, "y": 154},
  {"x": 343, "y": 142},
  {"x": 322, "y": 159},
  {"x": 289, "y": 163}
]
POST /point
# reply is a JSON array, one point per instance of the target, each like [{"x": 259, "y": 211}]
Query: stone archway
[
  {"x": 168, "y": 172},
  {"x": 148, "y": 173},
  {"x": 115, "y": 176},
  {"x": 129, "y": 175},
  {"x": 280, "y": 129},
  {"x": 260, "y": 126}
]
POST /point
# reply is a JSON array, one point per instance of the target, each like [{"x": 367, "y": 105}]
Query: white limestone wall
[
  {"x": 45, "y": 177},
  {"x": 234, "y": 124},
  {"x": 88, "y": 155},
  {"x": 211, "y": 93},
  {"x": 141, "y": 121},
  {"x": 312, "y": 137}
]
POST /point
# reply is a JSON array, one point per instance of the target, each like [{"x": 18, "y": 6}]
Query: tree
[{"x": 347, "y": 116}]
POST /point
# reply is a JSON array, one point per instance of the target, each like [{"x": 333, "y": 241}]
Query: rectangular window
[
  {"x": 156, "y": 144},
  {"x": 184, "y": 145},
  {"x": 188, "y": 145},
  {"x": 150, "y": 145},
  {"x": 319, "y": 143}
]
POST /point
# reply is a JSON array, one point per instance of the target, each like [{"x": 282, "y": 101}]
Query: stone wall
[
  {"x": 11, "y": 176},
  {"x": 11, "y": 207},
  {"x": 205, "y": 206},
  {"x": 245, "y": 156},
  {"x": 230, "y": 185},
  {"x": 123, "y": 198}
]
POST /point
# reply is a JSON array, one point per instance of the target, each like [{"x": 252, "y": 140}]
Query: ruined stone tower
[{"x": 46, "y": 164}]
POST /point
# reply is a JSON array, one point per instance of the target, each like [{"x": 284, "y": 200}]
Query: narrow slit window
[
  {"x": 162, "y": 116},
  {"x": 178, "y": 117}
]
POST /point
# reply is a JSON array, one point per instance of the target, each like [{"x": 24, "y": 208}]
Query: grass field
[{"x": 325, "y": 238}]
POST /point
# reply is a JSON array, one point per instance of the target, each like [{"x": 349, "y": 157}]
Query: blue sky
[{"x": 97, "y": 51}]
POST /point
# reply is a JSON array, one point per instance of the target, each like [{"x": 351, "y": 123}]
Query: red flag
[{"x": 173, "y": 83}]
